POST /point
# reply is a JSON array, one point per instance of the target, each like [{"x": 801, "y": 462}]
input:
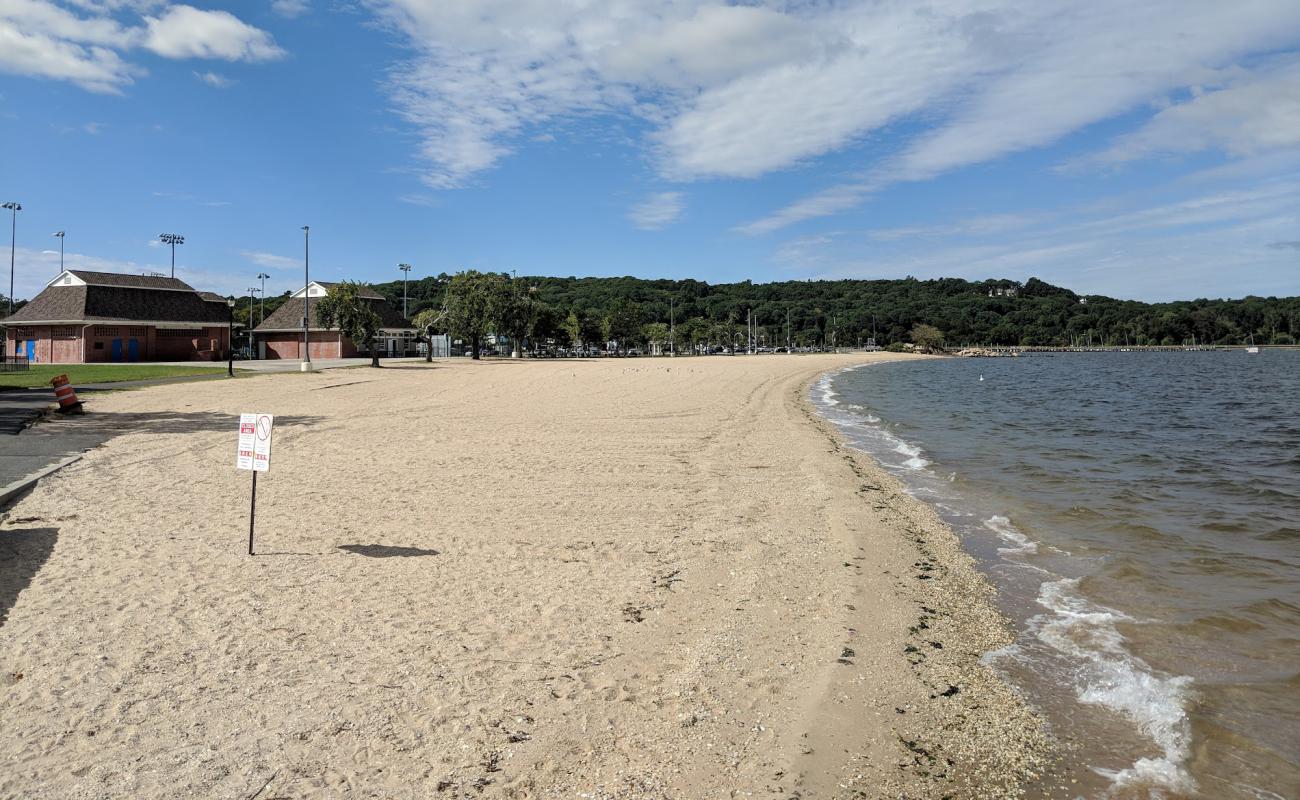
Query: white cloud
[
  {"x": 1052, "y": 68},
  {"x": 739, "y": 91},
  {"x": 657, "y": 211},
  {"x": 39, "y": 38},
  {"x": 270, "y": 260},
  {"x": 1255, "y": 112},
  {"x": 290, "y": 9},
  {"x": 213, "y": 79},
  {"x": 188, "y": 32},
  {"x": 37, "y": 55}
]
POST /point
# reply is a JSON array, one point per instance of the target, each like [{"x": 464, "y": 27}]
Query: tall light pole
[
  {"x": 13, "y": 243},
  {"x": 672, "y": 331},
  {"x": 230, "y": 339},
  {"x": 306, "y": 296},
  {"x": 172, "y": 239},
  {"x": 251, "y": 291},
  {"x": 406, "y": 273},
  {"x": 261, "y": 313},
  {"x": 59, "y": 235}
]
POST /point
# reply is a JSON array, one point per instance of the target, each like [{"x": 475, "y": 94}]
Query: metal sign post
[{"x": 255, "y": 456}]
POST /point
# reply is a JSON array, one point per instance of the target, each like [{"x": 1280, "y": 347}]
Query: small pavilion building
[
  {"x": 280, "y": 336},
  {"x": 83, "y": 316}
]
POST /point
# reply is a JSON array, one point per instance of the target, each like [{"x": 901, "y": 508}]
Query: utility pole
[
  {"x": 406, "y": 273},
  {"x": 14, "y": 208},
  {"x": 59, "y": 235},
  {"x": 172, "y": 239},
  {"x": 306, "y": 298},
  {"x": 788, "y": 341}
]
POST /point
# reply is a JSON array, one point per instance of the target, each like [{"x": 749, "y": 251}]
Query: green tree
[
  {"x": 573, "y": 329},
  {"x": 927, "y": 336},
  {"x": 515, "y": 310},
  {"x": 470, "y": 303},
  {"x": 623, "y": 323},
  {"x": 656, "y": 333},
  {"x": 593, "y": 329},
  {"x": 344, "y": 308}
]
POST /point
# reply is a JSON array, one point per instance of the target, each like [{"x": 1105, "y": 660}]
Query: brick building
[
  {"x": 280, "y": 335},
  {"x": 84, "y": 316}
]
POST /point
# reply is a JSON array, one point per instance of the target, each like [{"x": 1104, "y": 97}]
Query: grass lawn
[{"x": 40, "y": 374}]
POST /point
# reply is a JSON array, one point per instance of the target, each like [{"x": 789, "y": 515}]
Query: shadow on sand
[
  {"x": 22, "y": 553},
  {"x": 112, "y": 424},
  {"x": 386, "y": 551}
]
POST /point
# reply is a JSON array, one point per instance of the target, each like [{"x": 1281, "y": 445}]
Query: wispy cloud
[
  {"x": 743, "y": 90},
  {"x": 1213, "y": 241},
  {"x": 1246, "y": 114},
  {"x": 270, "y": 260},
  {"x": 415, "y": 199},
  {"x": 33, "y": 269},
  {"x": 214, "y": 79},
  {"x": 657, "y": 211},
  {"x": 290, "y": 9}
]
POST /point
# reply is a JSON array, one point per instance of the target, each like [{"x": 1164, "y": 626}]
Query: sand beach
[{"x": 619, "y": 578}]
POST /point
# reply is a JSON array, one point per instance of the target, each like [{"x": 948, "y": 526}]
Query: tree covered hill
[{"x": 846, "y": 312}]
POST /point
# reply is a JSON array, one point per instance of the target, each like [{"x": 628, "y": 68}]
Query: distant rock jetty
[{"x": 981, "y": 352}]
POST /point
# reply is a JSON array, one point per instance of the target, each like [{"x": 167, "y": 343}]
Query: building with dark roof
[
  {"x": 83, "y": 316},
  {"x": 280, "y": 334}
]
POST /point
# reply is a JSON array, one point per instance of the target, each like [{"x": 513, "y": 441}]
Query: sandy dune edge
[{"x": 630, "y": 578}]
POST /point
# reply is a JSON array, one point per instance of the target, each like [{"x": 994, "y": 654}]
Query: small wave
[
  {"x": 914, "y": 460},
  {"x": 1019, "y": 543},
  {"x": 1112, "y": 677}
]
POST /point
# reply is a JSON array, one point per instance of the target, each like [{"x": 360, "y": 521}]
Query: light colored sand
[{"x": 646, "y": 574}]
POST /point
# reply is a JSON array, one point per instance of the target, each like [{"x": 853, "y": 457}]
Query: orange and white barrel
[{"x": 65, "y": 394}]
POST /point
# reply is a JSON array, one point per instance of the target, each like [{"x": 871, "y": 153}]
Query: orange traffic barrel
[{"x": 65, "y": 394}]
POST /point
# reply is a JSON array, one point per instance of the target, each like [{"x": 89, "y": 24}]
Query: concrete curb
[{"x": 13, "y": 490}]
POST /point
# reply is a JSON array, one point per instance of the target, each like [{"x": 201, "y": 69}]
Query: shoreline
[
  {"x": 502, "y": 579},
  {"x": 983, "y": 736}
]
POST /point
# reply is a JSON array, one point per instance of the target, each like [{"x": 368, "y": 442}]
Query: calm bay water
[{"x": 1140, "y": 513}]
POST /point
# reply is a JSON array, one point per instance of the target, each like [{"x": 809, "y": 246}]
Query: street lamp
[
  {"x": 261, "y": 312},
  {"x": 59, "y": 235},
  {"x": 406, "y": 273},
  {"x": 13, "y": 242},
  {"x": 230, "y": 339},
  {"x": 306, "y": 297},
  {"x": 172, "y": 239}
]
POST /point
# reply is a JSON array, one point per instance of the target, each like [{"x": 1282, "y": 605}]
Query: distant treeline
[{"x": 849, "y": 312}]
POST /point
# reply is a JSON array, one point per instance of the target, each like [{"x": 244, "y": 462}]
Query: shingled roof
[
  {"x": 288, "y": 317},
  {"x": 108, "y": 297},
  {"x": 131, "y": 281}
]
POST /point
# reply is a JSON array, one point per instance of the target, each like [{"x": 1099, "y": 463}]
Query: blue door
[
  {"x": 31, "y": 350},
  {"x": 117, "y": 349},
  {"x": 132, "y": 350}
]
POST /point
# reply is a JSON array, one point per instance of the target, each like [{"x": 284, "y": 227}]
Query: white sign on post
[{"x": 255, "y": 442}]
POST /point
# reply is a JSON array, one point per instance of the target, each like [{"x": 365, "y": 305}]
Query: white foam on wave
[
  {"x": 914, "y": 460},
  {"x": 828, "y": 395},
  {"x": 1110, "y": 676},
  {"x": 1017, "y": 541}
]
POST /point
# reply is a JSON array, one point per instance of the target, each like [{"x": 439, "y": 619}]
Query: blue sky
[{"x": 1145, "y": 150}]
